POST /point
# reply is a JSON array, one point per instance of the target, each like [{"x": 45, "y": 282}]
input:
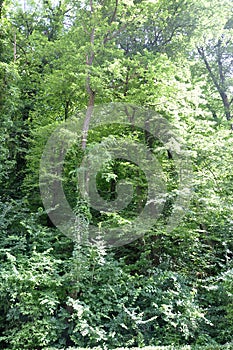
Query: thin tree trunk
[
  {"x": 67, "y": 105},
  {"x": 226, "y": 104},
  {"x": 15, "y": 48},
  {"x": 219, "y": 82},
  {"x": 90, "y": 91},
  {"x": 89, "y": 63}
]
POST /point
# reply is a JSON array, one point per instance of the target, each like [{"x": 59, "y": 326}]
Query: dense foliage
[{"x": 165, "y": 288}]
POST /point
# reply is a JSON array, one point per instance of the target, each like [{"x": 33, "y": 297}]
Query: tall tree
[{"x": 216, "y": 52}]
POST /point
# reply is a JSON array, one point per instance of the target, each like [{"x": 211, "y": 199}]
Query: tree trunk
[{"x": 226, "y": 104}]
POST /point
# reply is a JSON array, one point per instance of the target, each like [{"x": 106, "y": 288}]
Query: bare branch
[
  {"x": 114, "y": 12},
  {"x": 202, "y": 54}
]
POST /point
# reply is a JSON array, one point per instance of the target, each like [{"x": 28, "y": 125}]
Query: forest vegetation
[{"x": 61, "y": 59}]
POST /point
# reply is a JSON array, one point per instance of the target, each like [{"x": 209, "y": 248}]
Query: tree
[
  {"x": 216, "y": 55},
  {"x": 58, "y": 58}
]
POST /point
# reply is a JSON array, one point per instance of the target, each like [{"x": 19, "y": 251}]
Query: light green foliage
[
  {"x": 10, "y": 128},
  {"x": 166, "y": 288}
]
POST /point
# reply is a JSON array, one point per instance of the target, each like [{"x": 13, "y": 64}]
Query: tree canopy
[{"x": 149, "y": 85}]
